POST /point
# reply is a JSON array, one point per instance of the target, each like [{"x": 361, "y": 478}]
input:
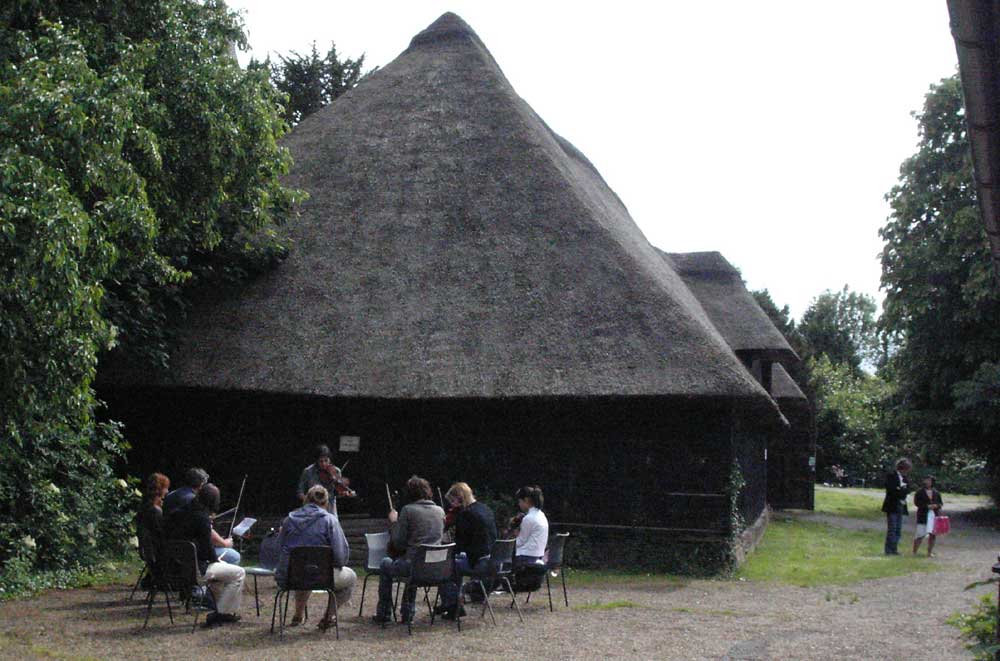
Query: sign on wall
[{"x": 350, "y": 443}]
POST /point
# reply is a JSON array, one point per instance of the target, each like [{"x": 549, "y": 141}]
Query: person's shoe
[
  {"x": 211, "y": 620},
  {"x": 327, "y": 623},
  {"x": 931, "y": 555},
  {"x": 450, "y": 613},
  {"x": 227, "y": 618},
  {"x": 381, "y": 619},
  {"x": 296, "y": 621},
  {"x": 441, "y": 609}
]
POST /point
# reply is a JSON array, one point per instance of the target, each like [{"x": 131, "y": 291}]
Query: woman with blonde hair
[
  {"x": 313, "y": 525},
  {"x": 475, "y": 532}
]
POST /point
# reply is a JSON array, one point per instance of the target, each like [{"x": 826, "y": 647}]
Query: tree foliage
[
  {"x": 311, "y": 82},
  {"x": 136, "y": 160},
  {"x": 942, "y": 305},
  {"x": 841, "y": 325}
]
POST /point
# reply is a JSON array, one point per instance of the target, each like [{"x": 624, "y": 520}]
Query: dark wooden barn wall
[
  {"x": 643, "y": 462},
  {"x": 790, "y": 477}
]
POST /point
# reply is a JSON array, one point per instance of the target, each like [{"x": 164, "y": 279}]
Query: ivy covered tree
[
  {"x": 942, "y": 305},
  {"x": 311, "y": 82},
  {"x": 136, "y": 160}
]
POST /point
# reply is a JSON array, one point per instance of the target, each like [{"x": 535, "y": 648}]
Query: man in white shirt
[{"x": 532, "y": 540}]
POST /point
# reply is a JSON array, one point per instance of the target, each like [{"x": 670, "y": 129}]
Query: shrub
[{"x": 979, "y": 628}]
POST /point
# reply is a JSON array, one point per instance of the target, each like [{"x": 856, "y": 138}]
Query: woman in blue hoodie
[{"x": 313, "y": 525}]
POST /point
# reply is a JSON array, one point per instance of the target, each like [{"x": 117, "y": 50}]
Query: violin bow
[
  {"x": 232, "y": 524},
  {"x": 440, "y": 497},
  {"x": 389, "y": 496}
]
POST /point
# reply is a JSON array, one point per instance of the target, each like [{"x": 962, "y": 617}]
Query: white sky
[{"x": 769, "y": 131}]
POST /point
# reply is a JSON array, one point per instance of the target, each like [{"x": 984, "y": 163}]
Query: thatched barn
[
  {"x": 762, "y": 348},
  {"x": 465, "y": 298}
]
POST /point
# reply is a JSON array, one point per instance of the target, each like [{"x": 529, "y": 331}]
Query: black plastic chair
[
  {"x": 177, "y": 571},
  {"x": 498, "y": 573},
  {"x": 309, "y": 568},
  {"x": 433, "y": 566},
  {"x": 554, "y": 564},
  {"x": 267, "y": 562},
  {"x": 147, "y": 553}
]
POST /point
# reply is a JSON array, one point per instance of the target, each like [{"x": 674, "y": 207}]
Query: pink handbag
[{"x": 942, "y": 526}]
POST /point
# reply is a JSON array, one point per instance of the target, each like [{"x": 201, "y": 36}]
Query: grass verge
[
  {"x": 809, "y": 553},
  {"x": 839, "y": 502},
  {"x": 606, "y": 605},
  {"x": 599, "y": 577}
]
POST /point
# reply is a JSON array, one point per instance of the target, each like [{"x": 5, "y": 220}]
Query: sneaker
[{"x": 450, "y": 613}]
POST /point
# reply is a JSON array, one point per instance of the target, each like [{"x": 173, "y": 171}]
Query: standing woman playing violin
[{"x": 326, "y": 475}]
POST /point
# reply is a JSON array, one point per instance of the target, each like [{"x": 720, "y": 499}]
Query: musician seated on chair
[
  {"x": 313, "y": 525},
  {"x": 194, "y": 524},
  {"x": 179, "y": 499},
  {"x": 475, "y": 532},
  {"x": 532, "y": 539},
  {"x": 419, "y": 522},
  {"x": 149, "y": 521}
]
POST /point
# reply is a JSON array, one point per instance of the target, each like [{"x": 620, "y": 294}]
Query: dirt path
[{"x": 895, "y": 618}]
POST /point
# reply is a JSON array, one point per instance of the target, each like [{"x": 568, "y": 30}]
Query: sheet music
[{"x": 244, "y": 526}]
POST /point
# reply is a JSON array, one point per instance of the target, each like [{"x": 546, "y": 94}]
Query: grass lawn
[
  {"x": 809, "y": 553},
  {"x": 854, "y": 503}
]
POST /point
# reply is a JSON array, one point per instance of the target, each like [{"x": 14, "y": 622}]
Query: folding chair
[
  {"x": 309, "y": 568},
  {"x": 554, "y": 565},
  {"x": 378, "y": 548},
  {"x": 268, "y": 559},
  {"x": 498, "y": 572},
  {"x": 147, "y": 553},
  {"x": 178, "y": 571},
  {"x": 432, "y": 566}
]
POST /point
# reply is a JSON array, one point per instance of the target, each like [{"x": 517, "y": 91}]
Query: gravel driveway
[{"x": 894, "y": 618}]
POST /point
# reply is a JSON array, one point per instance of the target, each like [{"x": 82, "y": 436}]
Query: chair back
[
  {"x": 147, "y": 546},
  {"x": 433, "y": 564},
  {"x": 378, "y": 548},
  {"x": 557, "y": 544},
  {"x": 501, "y": 556},
  {"x": 179, "y": 565},
  {"x": 270, "y": 552},
  {"x": 310, "y": 568}
]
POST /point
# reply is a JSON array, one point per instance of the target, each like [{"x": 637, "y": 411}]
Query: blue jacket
[{"x": 310, "y": 525}]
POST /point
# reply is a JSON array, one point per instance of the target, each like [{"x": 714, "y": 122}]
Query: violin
[
  {"x": 513, "y": 524},
  {"x": 451, "y": 515},
  {"x": 335, "y": 481}
]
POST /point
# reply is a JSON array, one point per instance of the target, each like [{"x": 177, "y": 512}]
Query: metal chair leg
[
  {"x": 256, "y": 598},
  {"x": 548, "y": 588},
  {"x": 364, "y": 586},
  {"x": 284, "y": 616},
  {"x": 149, "y": 605},
  {"x": 169, "y": 611},
  {"x": 565, "y": 595},
  {"x": 514, "y": 600},
  {"x": 336, "y": 614},
  {"x": 137, "y": 582},
  {"x": 274, "y": 611},
  {"x": 488, "y": 606},
  {"x": 528, "y": 599},
  {"x": 436, "y": 597}
]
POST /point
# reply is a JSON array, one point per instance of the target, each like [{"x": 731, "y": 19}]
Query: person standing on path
[
  {"x": 894, "y": 505},
  {"x": 928, "y": 502}
]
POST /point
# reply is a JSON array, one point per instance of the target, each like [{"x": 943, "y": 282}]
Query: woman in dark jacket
[
  {"x": 149, "y": 522},
  {"x": 928, "y": 502}
]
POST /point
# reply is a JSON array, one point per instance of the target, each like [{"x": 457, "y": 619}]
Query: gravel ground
[{"x": 895, "y": 618}]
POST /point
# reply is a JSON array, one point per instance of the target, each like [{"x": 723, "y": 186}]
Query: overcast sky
[{"x": 769, "y": 131}]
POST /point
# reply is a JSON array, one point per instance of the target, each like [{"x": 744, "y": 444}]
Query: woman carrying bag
[{"x": 928, "y": 502}]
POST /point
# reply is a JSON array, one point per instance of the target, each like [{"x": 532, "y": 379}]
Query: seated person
[
  {"x": 313, "y": 525},
  {"x": 419, "y": 522},
  {"x": 149, "y": 522},
  {"x": 532, "y": 540},
  {"x": 475, "y": 532},
  {"x": 225, "y": 580},
  {"x": 178, "y": 499}
]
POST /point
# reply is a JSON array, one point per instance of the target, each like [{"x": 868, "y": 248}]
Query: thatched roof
[
  {"x": 719, "y": 289},
  {"x": 783, "y": 387},
  {"x": 975, "y": 26},
  {"x": 454, "y": 246}
]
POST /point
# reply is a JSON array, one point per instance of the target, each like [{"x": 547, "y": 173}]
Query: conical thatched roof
[
  {"x": 783, "y": 386},
  {"x": 453, "y": 246},
  {"x": 719, "y": 288}
]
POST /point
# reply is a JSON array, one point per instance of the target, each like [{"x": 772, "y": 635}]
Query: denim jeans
[
  {"x": 893, "y": 531},
  {"x": 388, "y": 570},
  {"x": 449, "y": 591}
]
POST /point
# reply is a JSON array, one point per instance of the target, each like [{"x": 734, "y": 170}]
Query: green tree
[
  {"x": 311, "y": 82},
  {"x": 136, "y": 160},
  {"x": 942, "y": 305},
  {"x": 841, "y": 326}
]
